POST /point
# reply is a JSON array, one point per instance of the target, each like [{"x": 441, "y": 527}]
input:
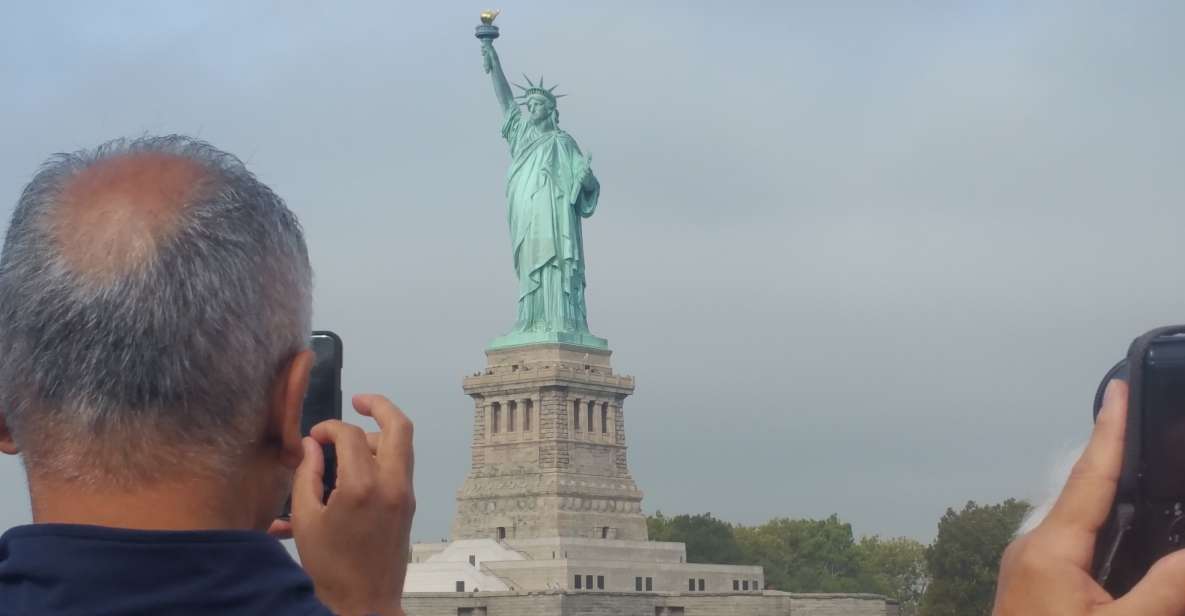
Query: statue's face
[{"x": 538, "y": 108}]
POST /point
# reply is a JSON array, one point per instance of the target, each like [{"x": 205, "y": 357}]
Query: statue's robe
[{"x": 546, "y": 201}]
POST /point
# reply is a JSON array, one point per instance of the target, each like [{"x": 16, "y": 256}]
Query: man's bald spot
[{"x": 112, "y": 215}]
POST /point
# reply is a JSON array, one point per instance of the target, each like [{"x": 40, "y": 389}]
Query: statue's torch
[{"x": 487, "y": 31}]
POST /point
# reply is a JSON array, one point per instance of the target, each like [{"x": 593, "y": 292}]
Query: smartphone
[
  {"x": 1162, "y": 478},
  {"x": 1147, "y": 520},
  {"x": 322, "y": 401}
]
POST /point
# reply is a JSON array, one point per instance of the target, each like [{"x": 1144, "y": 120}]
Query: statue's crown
[{"x": 538, "y": 88}]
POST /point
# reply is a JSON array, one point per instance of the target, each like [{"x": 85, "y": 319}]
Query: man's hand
[
  {"x": 1047, "y": 571},
  {"x": 355, "y": 546}
]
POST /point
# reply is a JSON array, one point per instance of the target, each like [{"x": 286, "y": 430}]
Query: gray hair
[{"x": 167, "y": 361}]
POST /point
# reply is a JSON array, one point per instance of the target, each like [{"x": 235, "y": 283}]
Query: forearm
[
  {"x": 501, "y": 86},
  {"x": 346, "y": 608},
  {"x": 502, "y": 89},
  {"x": 395, "y": 611}
]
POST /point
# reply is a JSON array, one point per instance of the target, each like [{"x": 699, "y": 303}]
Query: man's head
[{"x": 155, "y": 304}]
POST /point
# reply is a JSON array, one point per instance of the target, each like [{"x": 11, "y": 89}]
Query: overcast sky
[{"x": 868, "y": 260}]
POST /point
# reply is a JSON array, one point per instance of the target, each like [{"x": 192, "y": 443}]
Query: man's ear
[
  {"x": 287, "y": 398},
  {"x": 7, "y": 444}
]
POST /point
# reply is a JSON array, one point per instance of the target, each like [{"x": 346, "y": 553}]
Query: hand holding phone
[
  {"x": 1047, "y": 571},
  {"x": 354, "y": 544},
  {"x": 1147, "y": 518}
]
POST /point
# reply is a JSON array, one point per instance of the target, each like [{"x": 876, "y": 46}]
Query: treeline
[{"x": 953, "y": 576}]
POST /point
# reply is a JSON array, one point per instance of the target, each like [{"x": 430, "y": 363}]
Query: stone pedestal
[{"x": 549, "y": 453}]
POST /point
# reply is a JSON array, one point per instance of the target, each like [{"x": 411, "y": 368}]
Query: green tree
[
  {"x": 965, "y": 557},
  {"x": 895, "y": 568},
  {"x": 803, "y": 555},
  {"x": 708, "y": 539}
]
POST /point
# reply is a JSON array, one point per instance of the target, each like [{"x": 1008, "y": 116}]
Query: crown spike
[{"x": 529, "y": 82}]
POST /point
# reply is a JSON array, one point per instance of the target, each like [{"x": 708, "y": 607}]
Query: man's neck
[{"x": 187, "y": 504}]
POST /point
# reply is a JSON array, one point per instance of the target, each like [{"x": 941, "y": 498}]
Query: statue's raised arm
[{"x": 492, "y": 64}]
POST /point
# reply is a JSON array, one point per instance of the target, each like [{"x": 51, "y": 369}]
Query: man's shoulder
[{"x": 47, "y": 569}]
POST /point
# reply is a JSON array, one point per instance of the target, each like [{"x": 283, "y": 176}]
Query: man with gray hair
[{"x": 155, "y": 307}]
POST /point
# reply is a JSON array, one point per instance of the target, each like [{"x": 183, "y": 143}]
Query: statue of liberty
[{"x": 550, "y": 186}]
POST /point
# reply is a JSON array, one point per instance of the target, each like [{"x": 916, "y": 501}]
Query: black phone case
[
  {"x": 329, "y": 480},
  {"x": 308, "y": 420},
  {"x": 1120, "y": 558}
]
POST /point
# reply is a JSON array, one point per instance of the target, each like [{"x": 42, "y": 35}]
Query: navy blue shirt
[{"x": 74, "y": 570}]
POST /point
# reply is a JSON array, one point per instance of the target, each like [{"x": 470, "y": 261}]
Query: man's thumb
[
  {"x": 308, "y": 487},
  {"x": 1160, "y": 593}
]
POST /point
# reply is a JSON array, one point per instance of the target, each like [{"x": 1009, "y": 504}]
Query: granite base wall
[{"x": 554, "y": 603}]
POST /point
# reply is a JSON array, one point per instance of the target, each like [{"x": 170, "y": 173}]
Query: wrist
[
  {"x": 352, "y": 606},
  {"x": 389, "y": 611}
]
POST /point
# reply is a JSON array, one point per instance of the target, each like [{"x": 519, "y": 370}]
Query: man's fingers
[
  {"x": 1086, "y": 500},
  {"x": 394, "y": 447},
  {"x": 384, "y": 412},
  {"x": 308, "y": 488},
  {"x": 280, "y": 529},
  {"x": 1160, "y": 593},
  {"x": 355, "y": 464}
]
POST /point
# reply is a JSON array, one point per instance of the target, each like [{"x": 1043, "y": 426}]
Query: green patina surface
[{"x": 550, "y": 188}]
